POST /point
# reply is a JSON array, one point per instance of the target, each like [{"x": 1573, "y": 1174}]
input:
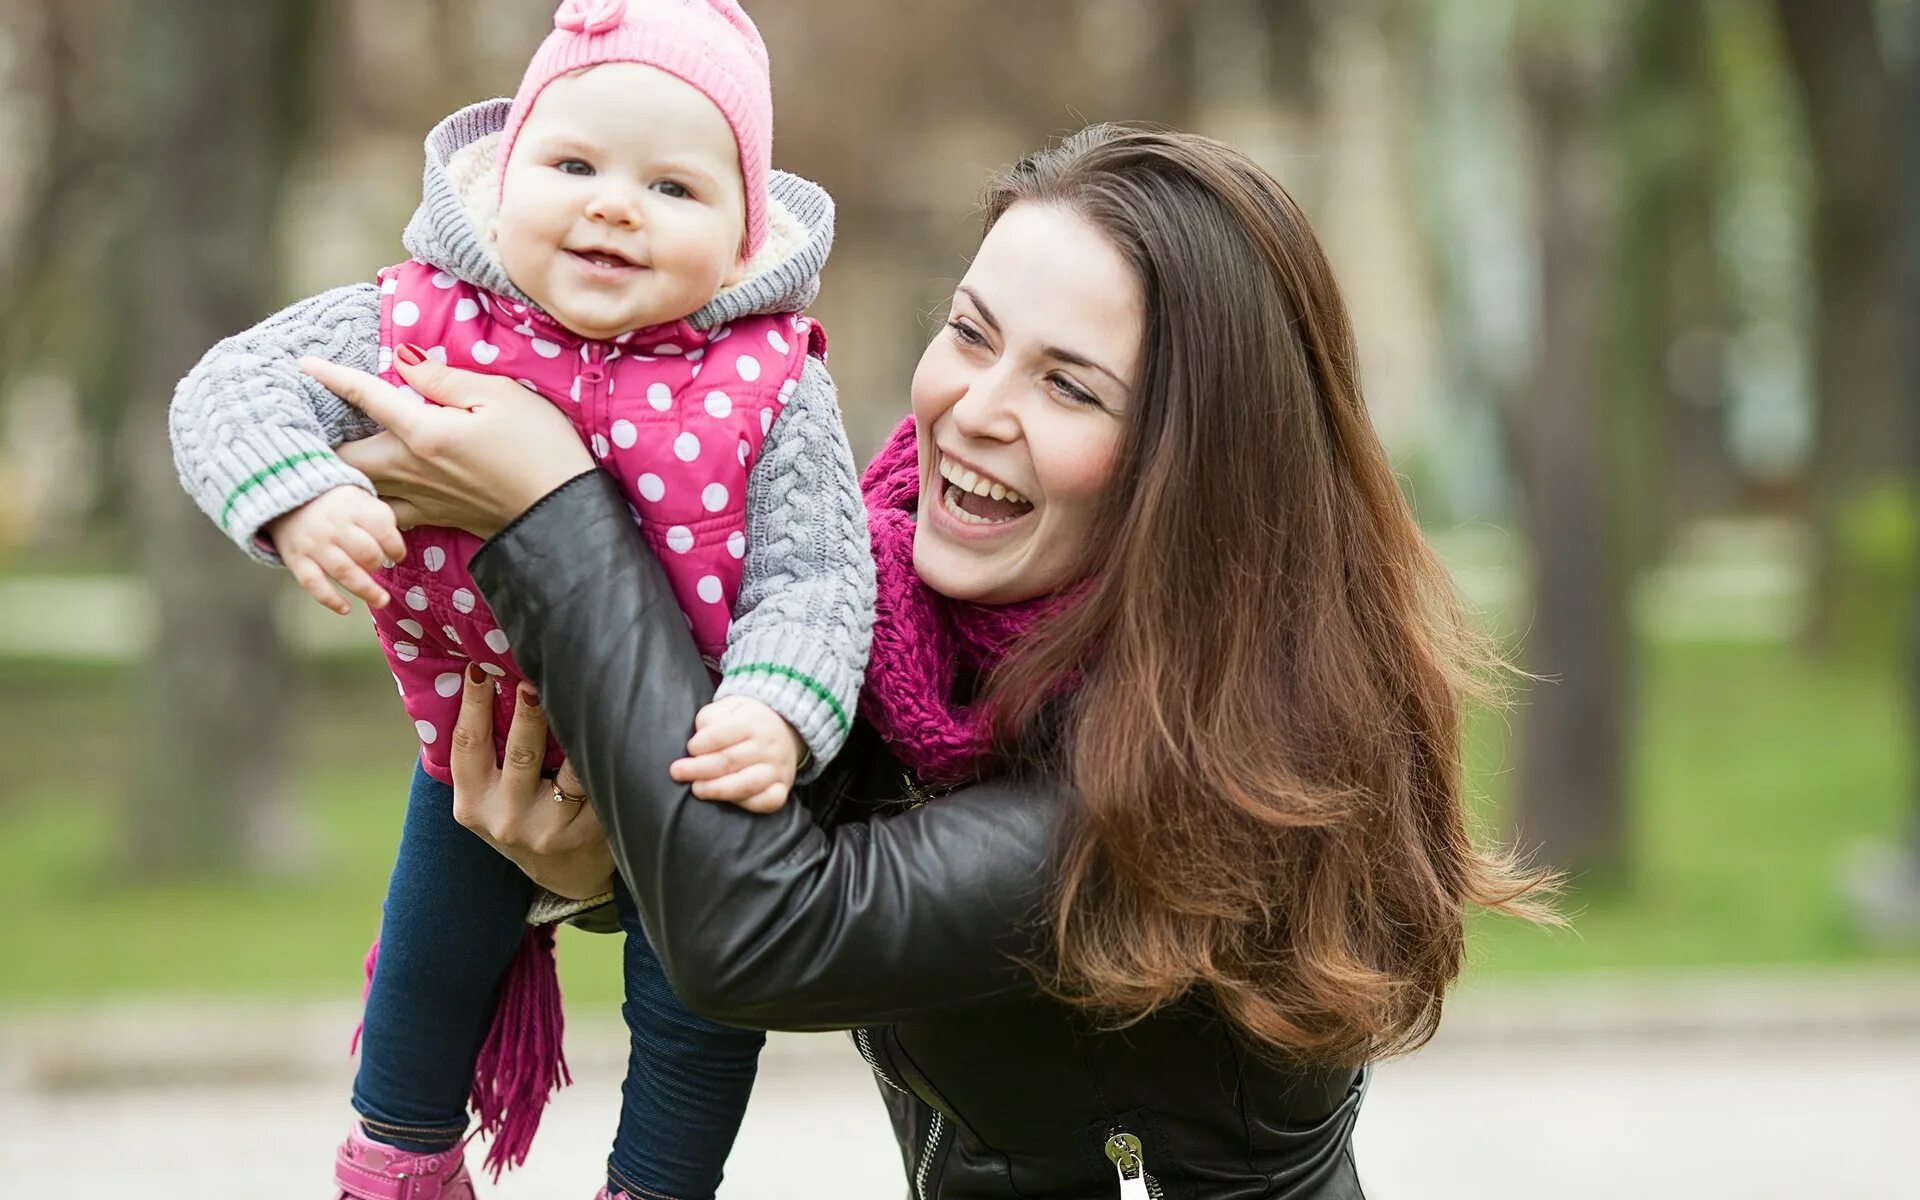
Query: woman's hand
[
  {"x": 557, "y": 841},
  {"x": 487, "y": 455}
]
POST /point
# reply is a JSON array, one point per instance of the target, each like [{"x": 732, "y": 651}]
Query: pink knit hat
[{"x": 711, "y": 44}]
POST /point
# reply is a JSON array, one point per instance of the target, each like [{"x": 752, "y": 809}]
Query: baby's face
[{"x": 622, "y": 205}]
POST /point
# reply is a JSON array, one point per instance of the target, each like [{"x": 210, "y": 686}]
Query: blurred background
[{"x": 1635, "y": 288}]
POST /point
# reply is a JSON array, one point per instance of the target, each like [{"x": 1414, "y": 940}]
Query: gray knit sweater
[{"x": 253, "y": 436}]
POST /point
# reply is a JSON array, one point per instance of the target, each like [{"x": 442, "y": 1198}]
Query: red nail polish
[
  {"x": 410, "y": 354},
  {"x": 532, "y": 697},
  {"x": 475, "y": 674}
]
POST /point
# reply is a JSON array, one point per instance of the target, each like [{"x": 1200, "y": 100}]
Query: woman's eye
[
  {"x": 667, "y": 187},
  {"x": 964, "y": 333},
  {"x": 1073, "y": 392},
  {"x": 573, "y": 166}
]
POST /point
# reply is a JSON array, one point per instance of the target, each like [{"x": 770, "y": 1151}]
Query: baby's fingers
[
  {"x": 363, "y": 549},
  {"x": 770, "y": 800},
  {"x": 702, "y": 766},
  {"x": 384, "y": 529},
  {"x": 308, "y": 575},
  {"x": 744, "y": 784},
  {"x": 719, "y": 733},
  {"x": 350, "y": 576}
]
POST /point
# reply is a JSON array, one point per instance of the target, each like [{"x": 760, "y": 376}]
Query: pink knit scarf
[{"x": 923, "y": 641}]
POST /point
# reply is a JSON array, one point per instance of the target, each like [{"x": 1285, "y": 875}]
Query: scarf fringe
[{"x": 523, "y": 1061}]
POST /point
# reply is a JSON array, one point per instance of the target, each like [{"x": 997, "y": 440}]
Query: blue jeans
[{"x": 452, "y": 922}]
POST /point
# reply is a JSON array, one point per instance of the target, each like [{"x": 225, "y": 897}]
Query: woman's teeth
[
  {"x": 975, "y": 500},
  {"x": 967, "y": 481}
]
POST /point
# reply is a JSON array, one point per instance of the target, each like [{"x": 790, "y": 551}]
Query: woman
[{"x": 1151, "y": 834}]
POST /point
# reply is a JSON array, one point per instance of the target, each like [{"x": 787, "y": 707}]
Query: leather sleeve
[{"x": 773, "y": 921}]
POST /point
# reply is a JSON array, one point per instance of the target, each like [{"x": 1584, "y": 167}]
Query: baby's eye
[
  {"x": 669, "y": 187},
  {"x": 573, "y": 166}
]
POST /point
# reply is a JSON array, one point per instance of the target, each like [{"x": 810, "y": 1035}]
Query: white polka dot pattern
[{"x": 677, "y": 424}]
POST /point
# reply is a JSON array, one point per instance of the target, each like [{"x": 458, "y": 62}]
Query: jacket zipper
[
  {"x": 936, "y": 1129},
  {"x": 863, "y": 1040},
  {"x": 1123, "y": 1151}
]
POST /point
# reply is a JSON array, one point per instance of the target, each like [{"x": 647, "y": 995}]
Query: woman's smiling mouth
[{"x": 975, "y": 499}]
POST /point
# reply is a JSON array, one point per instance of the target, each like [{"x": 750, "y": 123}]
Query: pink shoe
[{"x": 367, "y": 1170}]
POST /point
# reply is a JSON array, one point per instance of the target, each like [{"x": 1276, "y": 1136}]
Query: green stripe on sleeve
[
  {"x": 786, "y": 672},
  {"x": 265, "y": 473}
]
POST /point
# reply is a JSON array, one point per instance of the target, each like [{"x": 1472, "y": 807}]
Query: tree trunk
[
  {"x": 1850, "y": 105},
  {"x": 1570, "y": 802},
  {"x": 1669, "y": 388},
  {"x": 217, "y": 90}
]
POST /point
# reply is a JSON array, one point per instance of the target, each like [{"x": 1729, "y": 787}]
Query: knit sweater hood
[{"x": 459, "y": 198}]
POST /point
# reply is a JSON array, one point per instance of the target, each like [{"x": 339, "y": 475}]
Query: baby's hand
[
  {"x": 741, "y": 752},
  {"x": 341, "y": 534}
]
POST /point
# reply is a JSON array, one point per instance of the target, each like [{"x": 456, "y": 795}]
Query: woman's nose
[{"x": 987, "y": 408}]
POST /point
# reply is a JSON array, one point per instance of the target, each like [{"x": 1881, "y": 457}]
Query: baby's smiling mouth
[{"x": 609, "y": 259}]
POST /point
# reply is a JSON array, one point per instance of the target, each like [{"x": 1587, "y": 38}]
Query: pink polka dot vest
[{"x": 675, "y": 414}]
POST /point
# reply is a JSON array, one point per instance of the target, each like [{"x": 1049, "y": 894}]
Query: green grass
[
  {"x": 1754, "y": 771},
  {"x": 76, "y": 929}
]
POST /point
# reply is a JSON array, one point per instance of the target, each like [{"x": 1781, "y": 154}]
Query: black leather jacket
[{"x": 852, "y": 911}]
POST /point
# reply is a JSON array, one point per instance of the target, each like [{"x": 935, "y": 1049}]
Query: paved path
[{"x": 1775, "y": 1117}]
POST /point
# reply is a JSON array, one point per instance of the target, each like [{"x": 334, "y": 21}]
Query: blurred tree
[
  {"x": 214, "y": 113},
  {"x": 1570, "y": 801},
  {"x": 1864, "y": 287},
  {"x": 1882, "y": 880},
  {"x": 1668, "y": 304}
]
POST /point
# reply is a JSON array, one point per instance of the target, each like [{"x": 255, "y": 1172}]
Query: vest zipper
[
  {"x": 1123, "y": 1151},
  {"x": 591, "y": 410}
]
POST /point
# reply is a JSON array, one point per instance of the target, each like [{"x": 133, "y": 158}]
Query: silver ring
[{"x": 560, "y": 797}]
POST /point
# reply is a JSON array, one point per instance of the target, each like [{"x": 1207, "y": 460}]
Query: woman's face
[{"x": 1019, "y": 403}]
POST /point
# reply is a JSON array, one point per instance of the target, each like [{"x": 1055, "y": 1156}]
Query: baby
[{"x": 615, "y": 239}]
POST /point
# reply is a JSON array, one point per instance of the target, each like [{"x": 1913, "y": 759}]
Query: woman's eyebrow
[
  {"x": 986, "y": 314},
  {"x": 1064, "y": 355}
]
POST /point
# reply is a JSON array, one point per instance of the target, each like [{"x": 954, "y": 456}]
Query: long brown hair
[{"x": 1265, "y": 743}]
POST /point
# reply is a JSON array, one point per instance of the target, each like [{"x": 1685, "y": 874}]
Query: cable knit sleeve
[
  {"x": 253, "y": 437},
  {"x": 805, "y": 615}
]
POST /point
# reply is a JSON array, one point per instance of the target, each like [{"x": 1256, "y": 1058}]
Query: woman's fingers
[
  {"x": 368, "y": 393},
  {"x": 568, "y": 781},
  {"x": 526, "y": 742},
  {"x": 375, "y": 457},
  {"x": 406, "y": 515},
  {"x": 472, "y": 756},
  {"x": 444, "y": 385}
]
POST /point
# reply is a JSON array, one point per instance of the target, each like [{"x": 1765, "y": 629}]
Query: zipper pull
[{"x": 1123, "y": 1151}]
